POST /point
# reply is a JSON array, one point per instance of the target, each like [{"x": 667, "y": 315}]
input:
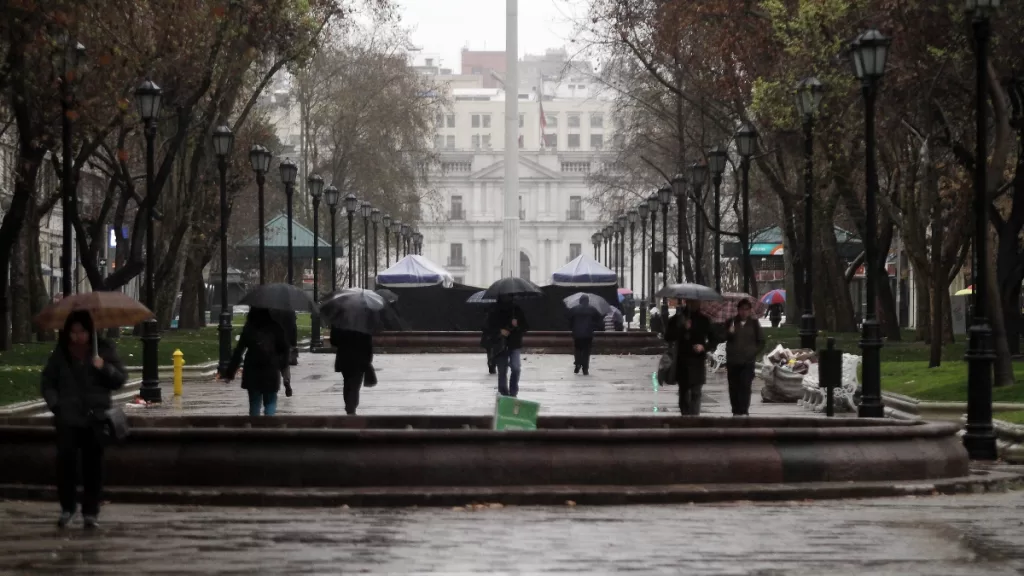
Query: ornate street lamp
[
  {"x": 606, "y": 232},
  {"x": 664, "y": 197},
  {"x": 417, "y": 238},
  {"x": 396, "y": 226},
  {"x": 869, "y": 54},
  {"x": 375, "y": 217},
  {"x": 351, "y": 205},
  {"x": 746, "y": 143},
  {"x": 223, "y": 142},
  {"x": 147, "y": 100},
  {"x": 652, "y": 206},
  {"x": 632, "y": 216},
  {"x": 808, "y": 99},
  {"x": 595, "y": 238},
  {"x": 643, "y": 210},
  {"x": 620, "y": 228},
  {"x": 717, "y": 157},
  {"x": 979, "y": 438},
  {"x": 365, "y": 209},
  {"x": 386, "y": 220},
  {"x": 70, "y": 55},
  {"x": 289, "y": 171},
  {"x": 698, "y": 173},
  {"x": 259, "y": 159},
  {"x": 678, "y": 184},
  {"x": 315, "y": 185},
  {"x": 331, "y": 197},
  {"x": 406, "y": 232}
]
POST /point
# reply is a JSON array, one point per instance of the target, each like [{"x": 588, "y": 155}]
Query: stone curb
[{"x": 981, "y": 481}]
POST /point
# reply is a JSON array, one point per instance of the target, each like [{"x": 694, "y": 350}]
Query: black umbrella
[
  {"x": 596, "y": 302},
  {"x": 689, "y": 292},
  {"x": 283, "y": 297},
  {"x": 388, "y": 296},
  {"x": 514, "y": 287},
  {"x": 479, "y": 298},
  {"x": 354, "y": 309}
]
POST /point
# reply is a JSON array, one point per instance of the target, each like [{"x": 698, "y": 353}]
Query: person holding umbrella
[
  {"x": 354, "y": 315},
  {"x": 691, "y": 333},
  {"x": 744, "y": 341},
  {"x": 584, "y": 320},
  {"x": 508, "y": 320},
  {"x": 264, "y": 344}
]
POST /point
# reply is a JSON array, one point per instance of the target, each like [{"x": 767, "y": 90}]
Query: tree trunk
[
  {"x": 193, "y": 290},
  {"x": 886, "y": 299},
  {"x": 922, "y": 326},
  {"x": 939, "y": 299},
  {"x": 21, "y": 292},
  {"x": 832, "y": 300},
  {"x": 1003, "y": 366}
]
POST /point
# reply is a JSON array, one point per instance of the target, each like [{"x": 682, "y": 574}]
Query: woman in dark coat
[
  {"x": 76, "y": 385},
  {"x": 353, "y": 356},
  {"x": 692, "y": 335},
  {"x": 267, "y": 357}
]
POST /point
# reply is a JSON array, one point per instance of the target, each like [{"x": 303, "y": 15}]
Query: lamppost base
[
  {"x": 980, "y": 437},
  {"x": 871, "y": 371},
  {"x": 150, "y": 390},
  {"x": 224, "y": 332},
  {"x": 314, "y": 340},
  {"x": 643, "y": 316},
  {"x": 808, "y": 332}
]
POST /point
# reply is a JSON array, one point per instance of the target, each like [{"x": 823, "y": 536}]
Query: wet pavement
[
  {"x": 936, "y": 536},
  {"x": 459, "y": 384}
]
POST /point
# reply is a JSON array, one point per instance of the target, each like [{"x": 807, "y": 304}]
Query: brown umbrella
[{"x": 108, "y": 310}]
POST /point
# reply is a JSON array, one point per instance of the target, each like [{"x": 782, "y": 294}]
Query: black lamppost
[
  {"x": 365, "y": 209},
  {"x": 643, "y": 210},
  {"x": 632, "y": 216},
  {"x": 147, "y": 100},
  {"x": 417, "y": 238},
  {"x": 331, "y": 197},
  {"x": 397, "y": 227},
  {"x": 664, "y": 197},
  {"x": 386, "y": 221},
  {"x": 698, "y": 173},
  {"x": 375, "y": 217},
  {"x": 717, "y": 157},
  {"x": 259, "y": 159},
  {"x": 315, "y": 184},
  {"x": 620, "y": 228},
  {"x": 223, "y": 141},
  {"x": 869, "y": 53},
  {"x": 652, "y": 205},
  {"x": 979, "y": 438},
  {"x": 289, "y": 171},
  {"x": 595, "y": 238},
  {"x": 351, "y": 205},
  {"x": 72, "y": 54},
  {"x": 679, "y": 191},
  {"x": 746, "y": 141},
  {"x": 405, "y": 239},
  {"x": 808, "y": 99},
  {"x": 606, "y": 233}
]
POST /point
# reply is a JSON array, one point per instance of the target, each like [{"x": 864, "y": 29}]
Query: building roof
[{"x": 277, "y": 238}]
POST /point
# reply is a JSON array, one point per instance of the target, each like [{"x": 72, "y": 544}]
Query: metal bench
[
  {"x": 845, "y": 394},
  {"x": 717, "y": 358}
]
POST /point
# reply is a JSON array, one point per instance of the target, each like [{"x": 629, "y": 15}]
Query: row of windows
[
  {"x": 484, "y": 120},
  {"x": 456, "y": 259},
  {"x": 483, "y": 141},
  {"x": 575, "y": 212}
]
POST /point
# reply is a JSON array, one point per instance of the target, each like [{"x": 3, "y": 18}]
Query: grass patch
[
  {"x": 19, "y": 384},
  {"x": 906, "y": 350},
  {"x": 946, "y": 383},
  {"x": 1016, "y": 417}
]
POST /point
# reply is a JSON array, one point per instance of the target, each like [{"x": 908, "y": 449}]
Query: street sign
[{"x": 515, "y": 414}]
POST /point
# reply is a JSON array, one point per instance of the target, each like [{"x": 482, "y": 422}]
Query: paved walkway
[
  {"x": 459, "y": 384},
  {"x": 938, "y": 536}
]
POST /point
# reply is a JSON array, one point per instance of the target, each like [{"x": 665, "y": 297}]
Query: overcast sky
[{"x": 446, "y": 26}]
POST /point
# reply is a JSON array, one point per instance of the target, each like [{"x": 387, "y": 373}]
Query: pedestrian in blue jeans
[
  {"x": 265, "y": 347},
  {"x": 508, "y": 320}
]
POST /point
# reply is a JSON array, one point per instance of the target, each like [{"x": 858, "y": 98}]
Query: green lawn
[
  {"x": 20, "y": 366},
  {"x": 1016, "y": 417}
]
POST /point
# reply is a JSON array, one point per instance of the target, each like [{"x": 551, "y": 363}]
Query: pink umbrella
[{"x": 726, "y": 309}]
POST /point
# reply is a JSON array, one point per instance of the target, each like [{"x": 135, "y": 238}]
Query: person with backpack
[{"x": 265, "y": 347}]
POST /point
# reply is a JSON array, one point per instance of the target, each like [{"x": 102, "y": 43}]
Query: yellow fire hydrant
[{"x": 179, "y": 365}]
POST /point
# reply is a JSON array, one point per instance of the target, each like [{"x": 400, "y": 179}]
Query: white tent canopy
[{"x": 415, "y": 270}]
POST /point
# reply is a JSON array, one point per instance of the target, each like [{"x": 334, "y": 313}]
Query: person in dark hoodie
[
  {"x": 353, "y": 357},
  {"x": 265, "y": 347},
  {"x": 76, "y": 385},
  {"x": 744, "y": 341},
  {"x": 584, "y": 320},
  {"x": 691, "y": 333},
  {"x": 508, "y": 320}
]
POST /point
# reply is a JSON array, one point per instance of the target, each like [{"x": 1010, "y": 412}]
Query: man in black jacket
[
  {"x": 508, "y": 320},
  {"x": 691, "y": 333},
  {"x": 584, "y": 319}
]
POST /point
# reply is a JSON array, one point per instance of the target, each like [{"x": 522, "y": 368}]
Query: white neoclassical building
[{"x": 562, "y": 139}]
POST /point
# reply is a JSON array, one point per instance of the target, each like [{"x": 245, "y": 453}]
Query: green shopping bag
[{"x": 515, "y": 414}]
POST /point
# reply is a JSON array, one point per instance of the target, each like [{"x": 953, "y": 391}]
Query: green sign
[
  {"x": 515, "y": 414},
  {"x": 766, "y": 249}
]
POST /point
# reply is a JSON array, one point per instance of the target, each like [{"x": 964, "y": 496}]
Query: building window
[
  {"x": 457, "y": 212},
  {"x": 455, "y": 255},
  {"x": 575, "y": 208},
  {"x": 475, "y": 139},
  {"x": 574, "y": 121},
  {"x": 486, "y": 120},
  {"x": 574, "y": 141},
  {"x": 459, "y": 279},
  {"x": 451, "y": 121},
  {"x": 522, "y": 211},
  {"x": 430, "y": 62},
  {"x": 597, "y": 121},
  {"x": 596, "y": 141},
  {"x": 522, "y": 120},
  {"x": 552, "y": 120},
  {"x": 551, "y": 141},
  {"x": 449, "y": 142},
  {"x": 439, "y": 120},
  {"x": 474, "y": 120},
  {"x": 575, "y": 250},
  {"x": 486, "y": 140}
]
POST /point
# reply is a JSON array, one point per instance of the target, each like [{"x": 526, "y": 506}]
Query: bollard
[
  {"x": 179, "y": 364},
  {"x": 830, "y": 373}
]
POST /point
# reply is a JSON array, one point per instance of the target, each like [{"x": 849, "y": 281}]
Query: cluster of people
[{"x": 691, "y": 335}]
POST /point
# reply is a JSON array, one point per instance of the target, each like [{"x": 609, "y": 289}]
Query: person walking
[
  {"x": 266, "y": 349},
  {"x": 691, "y": 333},
  {"x": 613, "y": 321},
  {"x": 584, "y": 319},
  {"x": 508, "y": 320},
  {"x": 353, "y": 358},
  {"x": 76, "y": 385},
  {"x": 744, "y": 341}
]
